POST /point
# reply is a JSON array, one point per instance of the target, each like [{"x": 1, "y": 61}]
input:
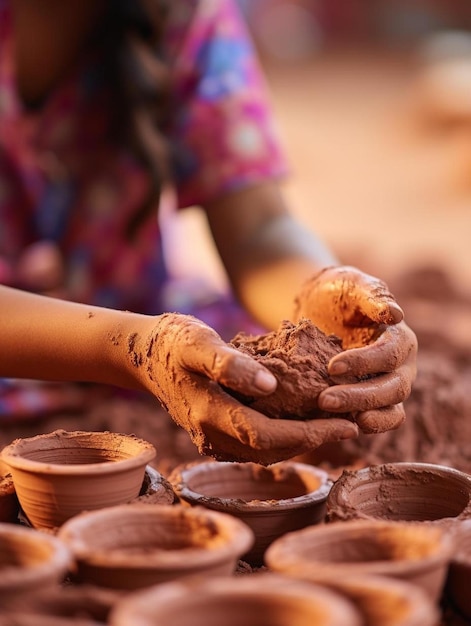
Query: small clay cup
[
  {"x": 418, "y": 553},
  {"x": 137, "y": 545},
  {"x": 9, "y": 505},
  {"x": 418, "y": 492},
  {"x": 74, "y": 603},
  {"x": 459, "y": 574},
  {"x": 271, "y": 500},
  {"x": 30, "y": 560},
  {"x": 258, "y": 600},
  {"x": 60, "y": 474},
  {"x": 381, "y": 600}
]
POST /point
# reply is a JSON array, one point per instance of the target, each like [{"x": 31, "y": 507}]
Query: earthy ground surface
[{"x": 392, "y": 194}]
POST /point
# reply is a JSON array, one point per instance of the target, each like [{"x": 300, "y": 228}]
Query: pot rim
[
  {"x": 421, "y": 610},
  {"x": 434, "y": 468},
  {"x": 13, "y": 457},
  {"x": 59, "y": 561},
  {"x": 282, "y": 555},
  {"x": 343, "y": 488},
  {"x": 239, "y": 538},
  {"x": 270, "y": 587},
  {"x": 318, "y": 496}
]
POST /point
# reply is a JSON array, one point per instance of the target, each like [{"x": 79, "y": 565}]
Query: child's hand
[
  {"x": 185, "y": 363},
  {"x": 379, "y": 346}
]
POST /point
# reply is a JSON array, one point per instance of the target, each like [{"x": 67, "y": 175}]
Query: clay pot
[
  {"x": 459, "y": 575},
  {"x": 418, "y": 553},
  {"x": 381, "y": 600},
  {"x": 60, "y": 474},
  {"x": 155, "y": 489},
  {"x": 69, "y": 604},
  {"x": 258, "y": 600},
  {"x": 136, "y": 545},
  {"x": 9, "y": 505},
  {"x": 271, "y": 500},
  {"x": 30, "y": 560},
  {"x": 27, "y": 619},
  {"x": 419, "y": 492}
]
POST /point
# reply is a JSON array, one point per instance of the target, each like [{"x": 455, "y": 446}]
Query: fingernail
[
  {"x": 396, "y": 313},
  {"x": 338, "y": 368},
  {"x": 330, "y": 403},
  {"x": 350, "y": 432},
  {"x": 264, "y": 380}
]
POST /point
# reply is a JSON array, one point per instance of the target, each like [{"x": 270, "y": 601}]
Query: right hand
[{"x": 185, "y": 363}]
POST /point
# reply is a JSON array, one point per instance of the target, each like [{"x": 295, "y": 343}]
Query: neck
[{"x": 50, "y": 36}]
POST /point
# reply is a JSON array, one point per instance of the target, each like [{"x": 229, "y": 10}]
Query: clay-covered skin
[
  {"x": 188, "y": 367},
  {"x": 335, "y": 300},
  {"x": 298, "y": 355}
]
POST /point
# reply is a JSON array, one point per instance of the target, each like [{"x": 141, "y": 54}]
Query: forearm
[
  {"x": 268, "y": 289},
  {"x": 267, "y": 253},
  {"x": 49, "y": 339}
]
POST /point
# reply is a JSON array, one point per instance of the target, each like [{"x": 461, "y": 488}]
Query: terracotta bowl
[
  {"x": 257, "y": 600},
  {"x": 9, "y": 505},
  {"x": 418, "y": 553},
  {"x": 271, "y": 500},
  {"x": 459, "y": 575},
  {"x": 26, "y": 619},
  {"x": 67, "y": 602},
  {"x": 419, "y": 492},
  {"x": 136, "y": 545},
  {"x": 30, "y": 560},
  {"x": 60, "y": 474},
  {"x": 381, "y": 600}
]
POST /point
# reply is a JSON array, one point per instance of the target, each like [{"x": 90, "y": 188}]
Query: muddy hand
[
  {"x": 346, "y": 302},
  {"x": 380, "y": 349},
  {"x": 186, "y": 364}
]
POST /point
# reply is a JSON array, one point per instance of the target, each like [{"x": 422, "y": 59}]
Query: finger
[
  {"x": 387, "y": 353},
  {"x": 206, "y": 353},
  {"x": 272, "y": 434},
  {"x": 381, "y": 420},
  {"x": 374, "y": 393},
  {"x": 381, "y": 308},
  {"x": 235, "y": 432},
  {"x": 369, "y": 296}
]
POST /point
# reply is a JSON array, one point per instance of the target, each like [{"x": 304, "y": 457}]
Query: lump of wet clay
[{"x": 298, "y": 355}]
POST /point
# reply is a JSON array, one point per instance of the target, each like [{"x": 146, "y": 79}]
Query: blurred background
[{"x": 373, "y": 105}]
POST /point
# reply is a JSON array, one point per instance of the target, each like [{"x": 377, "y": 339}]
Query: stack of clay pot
[{"x": 376, "y": 547}]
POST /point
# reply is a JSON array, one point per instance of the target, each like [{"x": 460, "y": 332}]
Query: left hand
[{"x": 379, "y": 348}]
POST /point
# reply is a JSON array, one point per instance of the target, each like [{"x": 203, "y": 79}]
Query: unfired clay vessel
[
  {"x": 459, "y": 577},
  {"x": 136, "y": 545},
  {"x": 258, "y": 600},
  {"x": 419, "y": 492},
  {"x": 271, "y": 500},
  {"x": 419, "y": 553},
  {"x": 71, "y": 604},
  {"x": 9, "y": 505},
  {"x": 60, "y": 474},
  {"x": 381, "y": 600},
  {"x": 30, "y": 559}
]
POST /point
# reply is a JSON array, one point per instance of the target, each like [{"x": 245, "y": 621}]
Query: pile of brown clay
[{"x": 298, "y": 355}]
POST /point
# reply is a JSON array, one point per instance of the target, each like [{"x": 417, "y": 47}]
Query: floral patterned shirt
[{"x": 63, "y": 181}]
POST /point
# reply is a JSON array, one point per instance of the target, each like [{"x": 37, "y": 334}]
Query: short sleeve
[{"x": 223, "y": 134}]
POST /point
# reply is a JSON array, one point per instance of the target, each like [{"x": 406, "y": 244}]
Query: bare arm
[
  {"x": 50, "y": 339},
  {"x": 177, "y": 358},
  {"x": 267, "y": 254},
  {"x": 272, "y": 260}
]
